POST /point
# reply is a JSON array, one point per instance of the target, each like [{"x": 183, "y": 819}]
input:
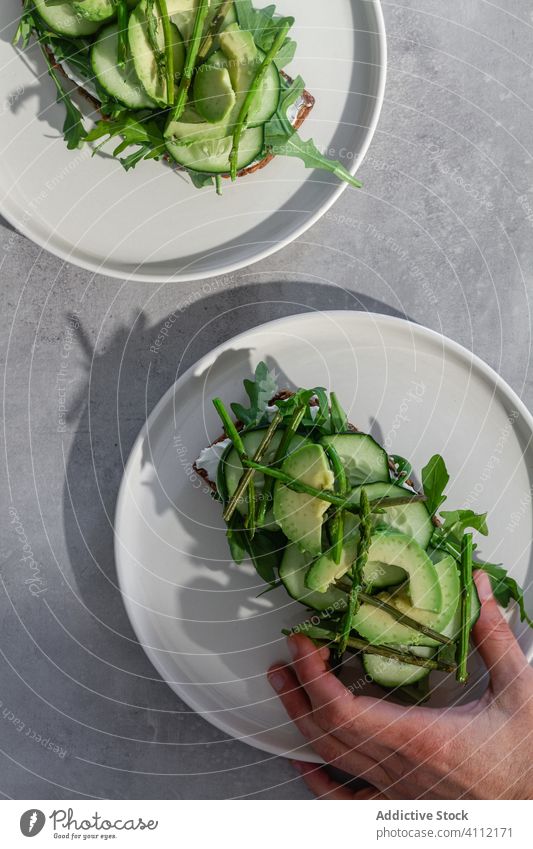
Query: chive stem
[
  {"x": 400, "y": 617},
  {"x": 326, "y": 495},
  {"x": 359, "y": 645},
  {"x": 337, "y": 521},
  {"x": 363, "y": 547},
  {"x": 466, "y": 617}
]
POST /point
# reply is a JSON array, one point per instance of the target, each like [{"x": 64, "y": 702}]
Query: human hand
[{"x": 480, "y": 750}]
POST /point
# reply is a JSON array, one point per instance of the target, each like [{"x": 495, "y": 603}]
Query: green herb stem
[
  {"x": 74, "y": 131},
  {"x": 399, "y": 616},
  {"x": 466, "y": 617},
  {"x": 242, "y": 120},
  {"x": 363, "y": 546},
  {"x": 337, "y": 522},
  {"x": 326, "y": 495},
  {"x": 359, "y": 645},
  {"x": 190, "y": 61},
  {"x": 214, "y": 29}
]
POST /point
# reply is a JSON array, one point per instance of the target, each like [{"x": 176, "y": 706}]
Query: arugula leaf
[
  {"x": 435, "y": 479},
  {"x": 259, "y": 391},
  {"x": 63, "y": 49},
  {"x": 264, "y": 25},
  {"x": 287, "y": 407},
  {"x": 265, "y": 549},
  {"x": 338, "y": 417},
  {"x": 281, "y": 138},
  {"x": 200, "y": 181},
  {"x": 456, "y": 522},
  {"x": 505, "y": 588},
  {"x": 140, "y": 131},
  {"x": 76, "y": 52},
  {"x": 237, "y": 539},
  {"x": 73, "y": 127},
  {"x": 310, "y": 155},
  {"x": 26, "y": 25},
  {"x": 321, "y": 418}
]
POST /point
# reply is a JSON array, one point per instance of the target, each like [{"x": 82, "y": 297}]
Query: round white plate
[
  {"x": 196, "y": 613},
  {"x": 150, "y": 224}
]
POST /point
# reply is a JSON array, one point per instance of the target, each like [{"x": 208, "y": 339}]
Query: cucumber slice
[
  {"x": 411, "y": 519},
  {"x": 325, "y": 571},
  {"x": 233, "y": 470},
  {"x": 143, "y": 57},
  {"x": 364, "y": 460},
  {"x": 95, "y": 10},
  {"x": 377, "y": 626},
  {"x": 292, "y": 572},
  {"x": 64, "y": 19},
  {"x": 121, "y": 83},
  {"x": 212, "y": 157},
  {"x": 301, "y": 516},
  {"x": 392, "y": 673}
]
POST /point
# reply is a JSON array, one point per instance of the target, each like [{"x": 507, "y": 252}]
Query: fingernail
[
  {"x": 483, "y": 586},
  {"x": 293, "y": 648},
  {"x": 276, "y": 678}
]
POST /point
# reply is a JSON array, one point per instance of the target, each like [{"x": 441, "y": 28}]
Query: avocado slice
[
  {"x": 396, "y": 549},
  {"x": 301, "y": 516},
  {"x": 213, "y": 93},
  {"x": 324, "y": 571},
  {"x": 239, "y": 48},
  {"x": 377, "y": 626},
  {"x": 292, "y": 573}
]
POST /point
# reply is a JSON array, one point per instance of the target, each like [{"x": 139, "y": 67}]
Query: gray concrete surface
[{"x": 442, "y": 233}]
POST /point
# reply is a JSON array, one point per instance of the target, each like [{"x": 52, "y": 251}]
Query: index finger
[{"x": 337, "y": 707}]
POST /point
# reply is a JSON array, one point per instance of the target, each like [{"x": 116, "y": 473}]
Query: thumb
[{"x": 495, "y": 641}]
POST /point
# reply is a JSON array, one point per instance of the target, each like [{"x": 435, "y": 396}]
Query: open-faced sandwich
[
  {"x": 324, "y": 511},
  {"x": 199, "y": 83}
]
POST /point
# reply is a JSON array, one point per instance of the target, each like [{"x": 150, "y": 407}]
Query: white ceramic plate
[
  {"x": 196, "y": 614},
  {"x": 150, "y": 224}
]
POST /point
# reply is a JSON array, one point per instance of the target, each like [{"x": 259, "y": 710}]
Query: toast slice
[{"x": 305, "y": 106}]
